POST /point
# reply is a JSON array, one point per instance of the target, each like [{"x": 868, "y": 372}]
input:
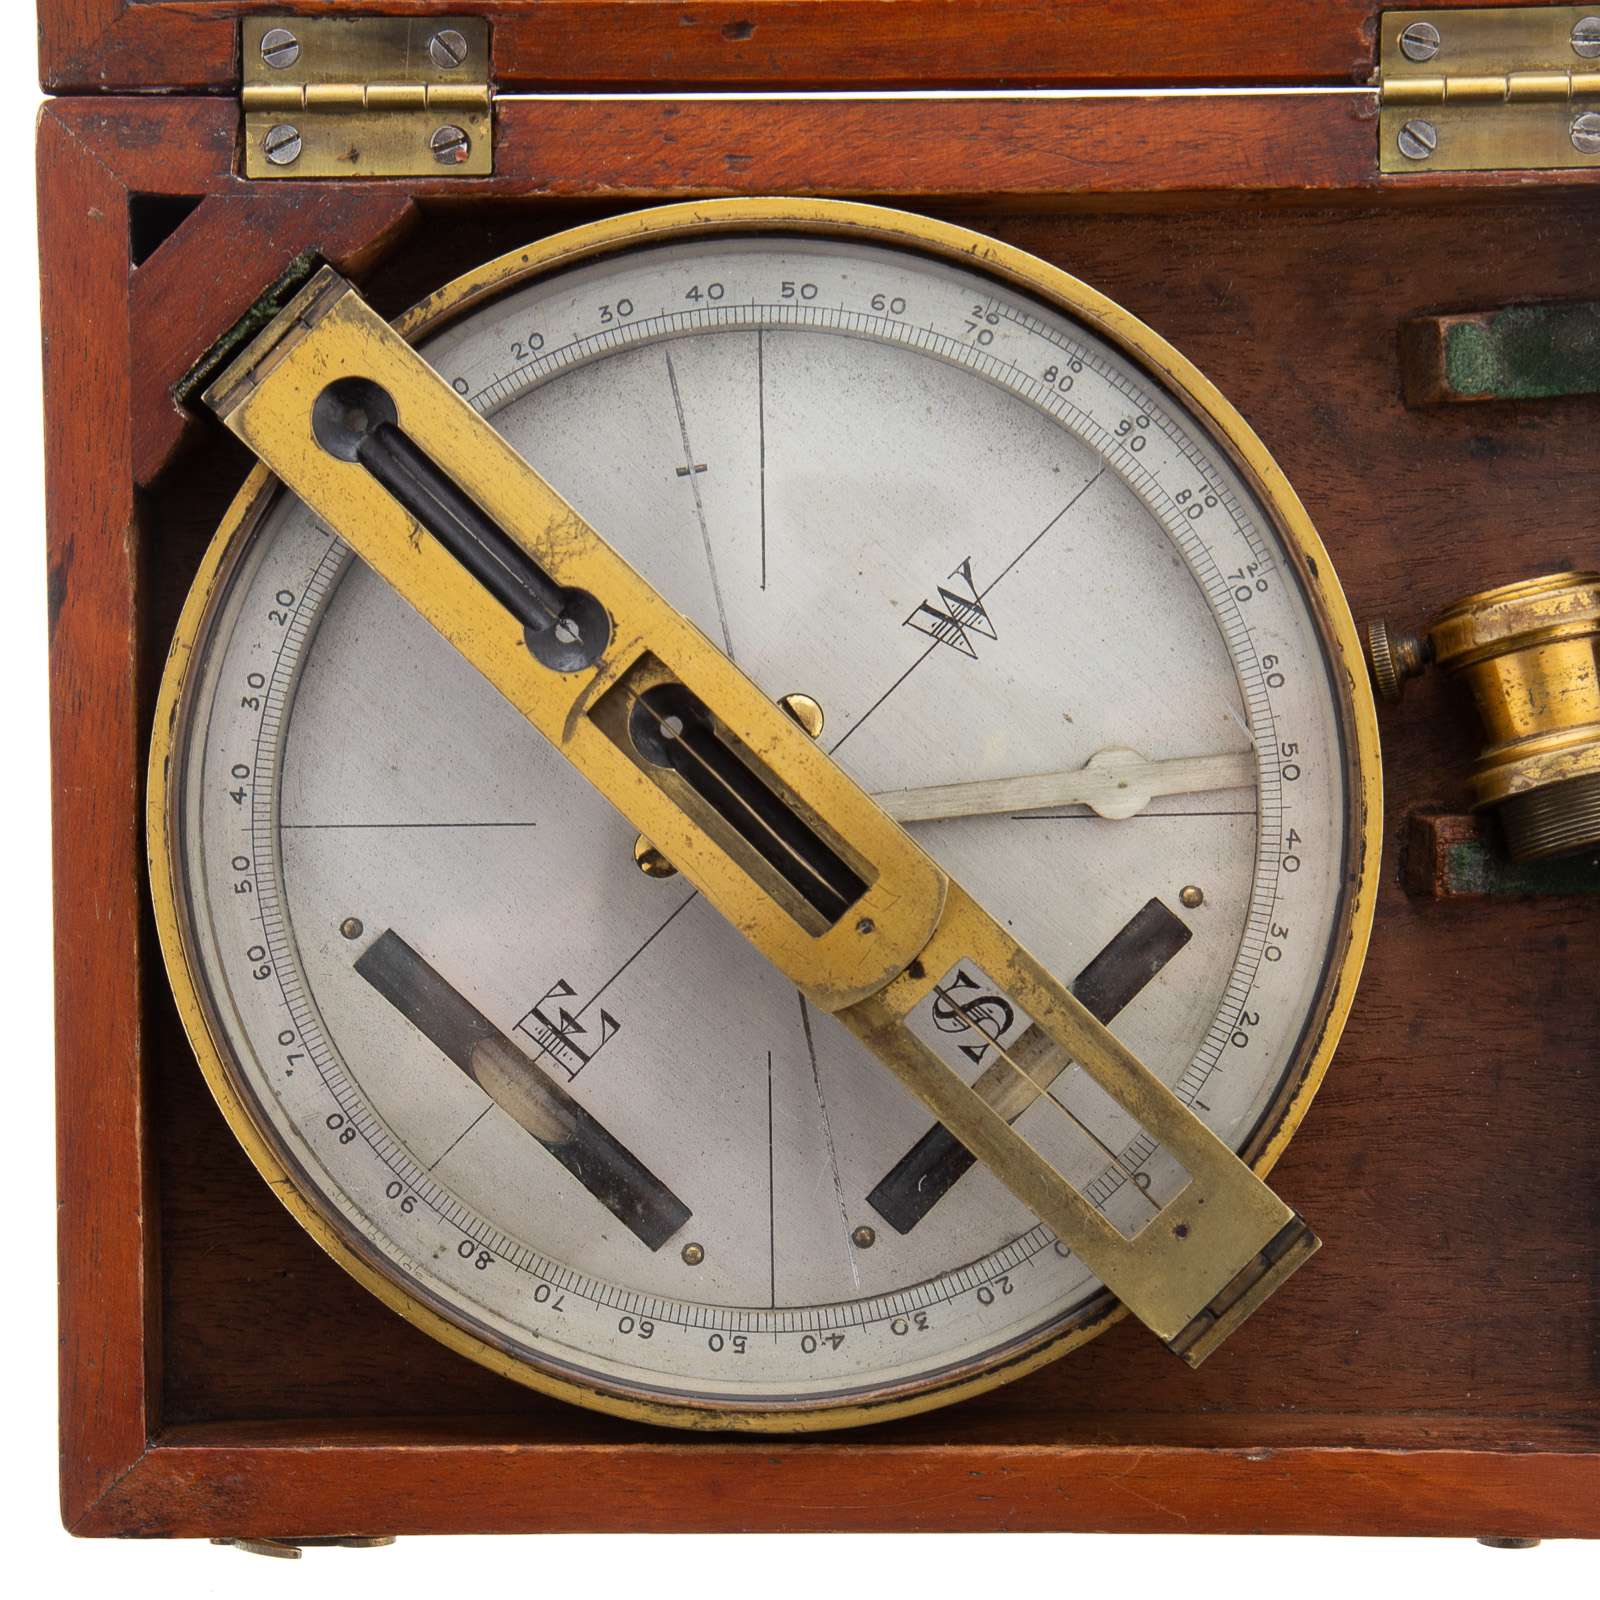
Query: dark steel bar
[{"x": 607, "y": 1169}]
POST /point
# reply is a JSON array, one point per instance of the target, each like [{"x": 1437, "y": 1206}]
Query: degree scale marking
[
  {"x": 877, "y": 1311},
  {"x": 1007, "y": 569}
]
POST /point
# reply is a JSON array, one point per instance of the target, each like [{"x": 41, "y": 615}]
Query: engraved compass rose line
[
  {"x": 691, "y": 470},
  {"x": 982, "y": 594},
  {"x": 827, "y": 1139},
  {"x": 683, "y": 905}
]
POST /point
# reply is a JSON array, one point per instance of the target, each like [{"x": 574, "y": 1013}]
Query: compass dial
[{"x": 976, "y": 525}]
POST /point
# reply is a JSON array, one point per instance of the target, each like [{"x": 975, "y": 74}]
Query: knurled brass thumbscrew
[{"x": 1392, "y": 658}]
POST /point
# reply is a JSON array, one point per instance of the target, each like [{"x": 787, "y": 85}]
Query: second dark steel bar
[{"x": 933, "y": 1166}]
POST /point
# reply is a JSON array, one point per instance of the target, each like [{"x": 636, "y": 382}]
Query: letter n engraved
[{"x": 962, "y": 614}]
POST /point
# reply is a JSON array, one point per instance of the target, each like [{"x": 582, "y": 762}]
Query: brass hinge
[
  {"x": 366, "y": 97},
  {"x": 1516, "y": 88}
]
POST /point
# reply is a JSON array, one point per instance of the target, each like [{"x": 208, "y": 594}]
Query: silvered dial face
[{"x": 987, "y": 545}]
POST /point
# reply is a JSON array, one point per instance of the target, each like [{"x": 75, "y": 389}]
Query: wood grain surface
[
  {"x": 380, "y": 1484},
  {"x": 1444, "y": 1024},
  {"x": 110, "y": 45},
  {"x": 209, "y": 274},
  {"x": 668, "y": 44},
  {"x": 1432, "y": 1371},
  {"x": 105, "y": 1157},
  {"x": 1077, "y": 154}
]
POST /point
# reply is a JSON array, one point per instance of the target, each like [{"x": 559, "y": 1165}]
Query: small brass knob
[
  {"x": 804, "y": 710},
  {"x": 650, "y": 861},
  {"x": 1392, "y": 658}
]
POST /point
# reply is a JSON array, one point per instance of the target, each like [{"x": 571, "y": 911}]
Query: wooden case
[{"x": 1435, "y": 1370}]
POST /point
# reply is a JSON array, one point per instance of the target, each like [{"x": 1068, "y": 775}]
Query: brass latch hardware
[
  {"x": 1515, "y": 89},
  {"x": 366, "y": 97}
]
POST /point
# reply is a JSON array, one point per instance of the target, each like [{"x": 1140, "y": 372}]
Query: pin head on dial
[{"x": 1019, "y": 571}]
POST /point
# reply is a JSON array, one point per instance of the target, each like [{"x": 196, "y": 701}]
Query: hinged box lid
[
  {"x": 365, "y": 96},
  {"x": 123, "y": 45}
]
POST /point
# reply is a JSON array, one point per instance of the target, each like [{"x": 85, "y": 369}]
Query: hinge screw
[
  {"x": 1420, "y": 42},
  {"x": 1586, "y": 38},
  {"x": 281, "y": 145},
  {"x": 280, "y": 48},
  {"x": 1586, "y": 133},
  {"x": 448, "y": 48},
  {"x": 1418, "y": 140},
  {"x": 450, "y": 145}
]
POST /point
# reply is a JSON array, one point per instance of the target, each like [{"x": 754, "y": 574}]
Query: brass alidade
[{"x": 1527, "y": 650}]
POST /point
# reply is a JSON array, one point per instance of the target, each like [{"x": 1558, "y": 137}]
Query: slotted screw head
[
  {"x": 448, "y": 48},
  {"x": 450, "y": 145},
  {"x": 281, "y": 145},
  {"x": 1418, "y": 140},
  {"x": 1420, "y": 42},
  {"x": 1586, "y": 38},
  {"x": 1586, "y": 133},
  {"x": 279, "y": 48}
]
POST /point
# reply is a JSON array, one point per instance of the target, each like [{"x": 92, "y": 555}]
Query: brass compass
[{"x": 987, "y": 719}]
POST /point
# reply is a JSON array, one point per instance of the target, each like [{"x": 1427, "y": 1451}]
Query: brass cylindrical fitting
[{"x": 1527, "y": 650}]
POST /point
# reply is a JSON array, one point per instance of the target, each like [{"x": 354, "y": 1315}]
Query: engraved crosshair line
[
  {"x": 691, "y": 471},
  {"x": 983, "y": 594}
]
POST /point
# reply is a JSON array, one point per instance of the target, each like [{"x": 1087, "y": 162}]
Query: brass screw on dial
[
  {"x": 804, "y": 710},
  {"x": 651, "y": 861},
  {"x": 864, "y": 1237},
  {"x": 693, "y": 1254}
]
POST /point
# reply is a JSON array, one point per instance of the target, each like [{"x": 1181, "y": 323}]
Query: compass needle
[
  {"x": 1116, "y": 783},
  {"x": 442, "y": 674}
]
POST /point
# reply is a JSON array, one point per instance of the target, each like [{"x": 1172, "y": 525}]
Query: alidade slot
[
  {"x": 674, "y": 737},
  {"x": 356, "y": 420},
  {"x": 938, "y": 1160}
]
